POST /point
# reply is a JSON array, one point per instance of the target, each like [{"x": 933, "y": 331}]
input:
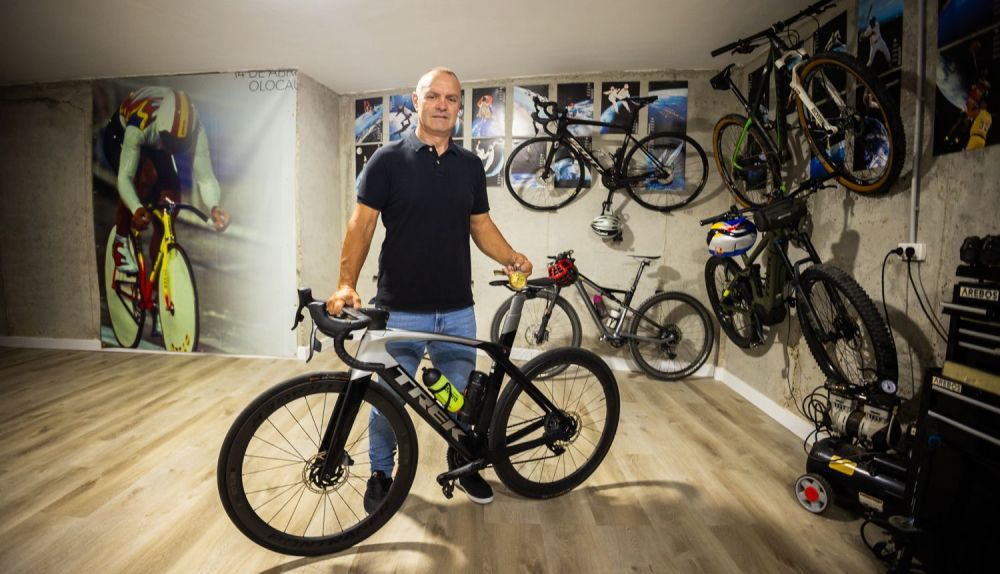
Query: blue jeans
[{"x": 453, "y": 360}]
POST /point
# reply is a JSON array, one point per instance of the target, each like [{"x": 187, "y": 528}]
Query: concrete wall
[{"x": 48, "y": 280}]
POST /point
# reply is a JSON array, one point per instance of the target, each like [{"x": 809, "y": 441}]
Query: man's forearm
[
  {"x": 491, "y": 242},
  {"x": 357, "y": 242}
]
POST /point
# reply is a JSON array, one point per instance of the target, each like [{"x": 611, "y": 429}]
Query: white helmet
[
  {"x": 731, "y": 237},
  {"x": 607, "y": 225}
]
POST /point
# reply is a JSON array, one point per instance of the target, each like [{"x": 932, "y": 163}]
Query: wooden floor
[{"x": 107, "y": 464}]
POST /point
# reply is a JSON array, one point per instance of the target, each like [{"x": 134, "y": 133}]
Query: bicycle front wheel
[
  {"x": 732, "y": 302},
  {"x": 562, "y": 326},
  {"x": 673, "y": 336},
  {"x": 868, "y": 148},
  {"x": 845, "y": 332},
  {"x": 586, "y": 391},
  {"x": 665, "y": 171},
  {"x": 123, "y": 295},
  {"x": 748, "y": 168},
  {"x": 544, "y": 173},
  {"x": 178, "y": 302},
  {"x": 269, "y": 467}
]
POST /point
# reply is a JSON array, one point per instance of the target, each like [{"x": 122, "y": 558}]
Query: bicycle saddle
[
  {"x": 721, "y": 81},
  {"x": 646, "y": 257}
]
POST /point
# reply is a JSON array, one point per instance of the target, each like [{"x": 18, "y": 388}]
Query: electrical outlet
[{"x": 919, "y": 251}]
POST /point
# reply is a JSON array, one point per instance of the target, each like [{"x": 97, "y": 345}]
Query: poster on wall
[
  {"x": 167, "y": 151},
  {"x": 880, "y": 34},
  {"x": 368, "y": 120},
  {"x": 669, "y": 112},
  {"x": 967, "y": 71},
  {"x": 578, "y": 99},
  {"x": 832, "y": 36},
  {"x": 615, "y": 108},
  {"x": 490, "y": 152},
  {"x": 522, "y": 125},
  {"x": 488, "y": 112},
  {"x": 362, "y": 153},
  {"x": 459, "y": 130},
  {"x": 526, "y": 169},
  {"x": 402, "y": 116}
]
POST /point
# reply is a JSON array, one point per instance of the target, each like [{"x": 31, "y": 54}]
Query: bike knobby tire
[
  {"x": 267, "y": 468},
  {"x": 732, "y": 302},
  {"x": 684, "y": 329},
  {"x": 544, "y": 173}
]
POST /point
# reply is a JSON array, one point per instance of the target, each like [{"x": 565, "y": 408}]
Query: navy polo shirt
[{"x": 425, "y": 201}]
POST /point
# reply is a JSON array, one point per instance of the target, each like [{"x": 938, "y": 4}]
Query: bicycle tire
[
  {"x": 531, "y": 317},
  {"x": 677, "y": 325},
  {"x": 177, "y": 302},
  {"x": 869, "y": 355},
  {"x": 657, "y": 148},
  {"x": 529, "y": 188},
  {"x": 588, "y": 391},
  {"x": 741, "y": 324},
  {"x": 745, "y": 182},
  {"x": 275, "y": 407},
  {"x": 123, "y": 297},
  {"x": 884, "y": 120}
]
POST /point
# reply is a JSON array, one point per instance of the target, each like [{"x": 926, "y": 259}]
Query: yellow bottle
[{"x": 443, "y": 390}]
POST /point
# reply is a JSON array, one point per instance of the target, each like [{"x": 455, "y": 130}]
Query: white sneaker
[{"x": 124, "y": 261}]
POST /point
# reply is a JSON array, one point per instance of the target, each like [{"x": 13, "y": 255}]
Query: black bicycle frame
[{"x": 780, "y": 267}]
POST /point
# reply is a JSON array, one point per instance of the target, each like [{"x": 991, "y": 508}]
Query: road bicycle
[
  {"x": 844, "y": 331},
  {"x": 293, "y": 467},
  {"x": 662, "y": 171},
  {"x": 670, "y": 334},
  {"x": 166, "y": 291},
  {"x": 847, "y": 116}
]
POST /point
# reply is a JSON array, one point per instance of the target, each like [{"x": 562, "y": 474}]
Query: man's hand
[
  {"x": 220, "y": 218},
  {"x": 346, "y": 295},
  {"x": 141, "y": 218},
  {"x": 518, "y": 263}
]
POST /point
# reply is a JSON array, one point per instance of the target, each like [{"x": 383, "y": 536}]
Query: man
[
  {"x": 431, "y": 195},
  {"x": 876, "y": 44}
]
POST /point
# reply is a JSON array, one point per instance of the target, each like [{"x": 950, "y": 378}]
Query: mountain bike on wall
[{"x": 847, "y": 116}]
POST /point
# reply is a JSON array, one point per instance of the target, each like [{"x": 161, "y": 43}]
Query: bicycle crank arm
[{"x": 447, "y": 479}]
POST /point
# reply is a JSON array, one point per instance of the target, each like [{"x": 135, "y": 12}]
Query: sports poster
[
  {"x": 968, "y": 75},
  {"x": 880, "y": 42},
  {"x": 490, "y": 152},
  {"x": 578, "y": 99},
  {"x": 362, "y": 153},
  {"x": 832, "y": 36},
  {"x": 224, "y": 141},
  {"x": 522, "y": 126},
  {"x": 669, "y": 112},
  {"x": 459, "y": 130},
  {"x": 402, "y": 116},
  {"x": 368, "y": 120},
  {"x": 526, "y": 167},
  {"x": 615, "y": 109},
  {"x": 489, "y": 107}
]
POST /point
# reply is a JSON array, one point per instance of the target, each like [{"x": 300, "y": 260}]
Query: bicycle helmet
[
  {"x": 731, "y": 237},
  {"x": 607, "y": 225},
  {"x": 177, "y": 122},
  {"x": 563, "y": 270}
]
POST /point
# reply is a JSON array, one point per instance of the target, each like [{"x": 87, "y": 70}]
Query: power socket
[{"x": 919, "y": 251}]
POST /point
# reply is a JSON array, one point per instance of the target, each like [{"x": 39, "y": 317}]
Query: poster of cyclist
[
  {"x": 522, "y": 126},
  {"x": 615, "y": 109},
  {"x": 967, "y": 74},
  {"x": 669, "y": 112},
  {"x": 368, "y": 120},
  {"x": 489, "y": 107},
  {"x": 578, "y": 99},
  {"x": 880, "y": 34},
  {"x": 363, "y": 153},
  {"x": 527, "y": 168},
  {"x": 490, "y": 152},
  {"x": 194, "y": 217},
  {"x": 402, "y": 116}
]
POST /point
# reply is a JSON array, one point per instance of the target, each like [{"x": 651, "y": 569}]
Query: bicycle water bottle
[
  {"x": 602, "y": 309},
  {"x": 443, "y": 390},
  {"x": 613, "y": 315},
  {"x": 473, "y": 397}
]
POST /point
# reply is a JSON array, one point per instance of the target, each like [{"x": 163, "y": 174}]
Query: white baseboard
[
  {"x": 799, "y": 427},
  {"x": 50, "y": 343},
  {"x": 616, "y": 363}
]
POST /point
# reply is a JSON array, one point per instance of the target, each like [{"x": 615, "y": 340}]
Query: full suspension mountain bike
[
  {"x": 662, "y": 171},
  {"x": 847, "y": 116},
  {"x": 670, "y": 334},
  {"x": 165, "y": 291},
  {"x": 844, "y": 330},
  {"x": 293, "y": 467}
]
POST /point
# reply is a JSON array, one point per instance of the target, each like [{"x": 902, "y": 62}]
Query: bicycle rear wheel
[
  {"x": 561, "y": 330},
  {"x": 123, "y": 295},
  {"x": 178, "y": 302},
  {"x": 732, "y": 302},
  {"x": 268, "y": 471},
  {"x": 672, "y": 170},
  {"x": 868, "y": 151},
  {"x": 544, "y": 173},
  {"x": 586, "y": 391},
  {"x": 846, "y": 334},
  {"x": 750, "y": 171},
  {"x": 683, "y": 331}
]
